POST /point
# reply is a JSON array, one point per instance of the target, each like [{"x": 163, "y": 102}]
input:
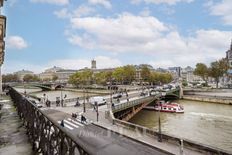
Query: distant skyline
[{"x": 70, "y": 33}]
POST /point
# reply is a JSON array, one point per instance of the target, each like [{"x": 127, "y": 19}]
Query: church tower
[
  {"x": 229, "y": 56},
  {"x": 93, "y": 64},
  {"x": 229, "y": 60}
]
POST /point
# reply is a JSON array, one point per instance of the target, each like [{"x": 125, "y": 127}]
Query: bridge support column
[{"x": 181, "y": 90}]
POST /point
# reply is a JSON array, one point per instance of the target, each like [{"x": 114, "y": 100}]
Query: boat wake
[{"x": 215, "y": 116}]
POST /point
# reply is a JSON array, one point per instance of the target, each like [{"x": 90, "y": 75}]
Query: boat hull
[{"x": 163, "y": 110}]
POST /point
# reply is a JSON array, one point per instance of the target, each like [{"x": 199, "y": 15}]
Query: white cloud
[
  {"x": 81, "y": 11},
  {"x": 105, "y": 3},
  {"x": 71, "y": 63},
  {"x": 169, "y": 2},
  {"x": 161, "y": 63},
  {"x": 57, "y": 2},
  {"x": 124, "y": 33},
  {"x": 147, "y": 35},
  {"x": 63, "y": 13},
  {"x": 15, "y": 42},
  {"x": 223, "y": 9},
  {"x": 107, "y": 62}
]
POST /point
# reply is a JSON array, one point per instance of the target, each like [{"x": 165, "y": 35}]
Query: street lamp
[
  {"x": 110, "y": 93},
  {"x": 84, "y": 101},
  {"x": 160, "y": 134},
  {"x": 61, "y": 96},
  {"x": 96, "y": 106}
]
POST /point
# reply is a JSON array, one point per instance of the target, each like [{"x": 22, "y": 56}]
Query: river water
[{"x": 203, "y": 122}]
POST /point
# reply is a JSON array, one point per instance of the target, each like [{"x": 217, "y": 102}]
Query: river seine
[{"x": 203, "y": 122}]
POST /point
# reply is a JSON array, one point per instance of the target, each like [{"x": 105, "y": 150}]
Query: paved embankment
[
  {"x": 223, "y": 96},
  {"x": 13, "y": 138},
  {"x": 208, "y": 98}
]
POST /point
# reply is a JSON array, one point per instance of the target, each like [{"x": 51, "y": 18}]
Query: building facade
[
  {"x": 61, "y": 74},
  {"x": 48, "y": 74},
  {"x": 2, "y": 42},
  {"x": 229, "y": 60},
  {"x": 22, "y": 73},
  {"x": 64, "y": 74}
]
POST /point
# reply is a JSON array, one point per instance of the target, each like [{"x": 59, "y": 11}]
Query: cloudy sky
[{"x": 70, "y": 33}]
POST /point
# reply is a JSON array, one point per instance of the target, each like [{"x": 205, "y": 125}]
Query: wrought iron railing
[{"x": 46, "y": 135}]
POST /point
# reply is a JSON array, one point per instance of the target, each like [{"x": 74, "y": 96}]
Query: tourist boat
[{"x": 169, "y": 107}]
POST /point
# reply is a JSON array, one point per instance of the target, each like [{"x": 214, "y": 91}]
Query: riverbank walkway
[{"x": 13, "y": 138}]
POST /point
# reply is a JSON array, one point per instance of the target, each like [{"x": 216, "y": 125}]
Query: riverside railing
[{"x": 46, "y": 135}]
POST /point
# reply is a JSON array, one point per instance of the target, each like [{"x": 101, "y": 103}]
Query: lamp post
[
  {"x": 61, "y": 96},
  {"x": 84, "y": 101},
  {"x": 25, "y": 92},
  {"x": 110, "y": 93},
  {"x": 96, "y": 106},
  {"x": 160, "y": 134}
]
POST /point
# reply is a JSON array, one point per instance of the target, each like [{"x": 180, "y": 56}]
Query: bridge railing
[
  {"x": 122, "y": 106},
  {"x": 70, "y": 100},
  {"x": 45, "y": 134}
]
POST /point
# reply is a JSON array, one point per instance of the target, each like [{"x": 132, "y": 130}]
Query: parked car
[
  {"x": 142, "y": 94},
  {"x": 116, "y": 96},
  {"x": 97, "y": 99}
]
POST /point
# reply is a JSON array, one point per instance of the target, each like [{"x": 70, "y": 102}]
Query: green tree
[
  {"x": 218, "y": 69},
  {"x": 54, "y": 77},
  {"x": 165, "y": 78},
  {"x": 30, "y": 78},
  {"x": 118, "y": 74},
  {"x": 10, "y": 78},
  {"x": 202, "y": 71},
  {"x": 102, "y": 77},
  {"x": 129, "y": 73},
  {"x": 81, "y": 78},
  {"x": 74, "y": 79},
  {"x": 157, "y": 77},
  {"x": 146, "y": 73}
]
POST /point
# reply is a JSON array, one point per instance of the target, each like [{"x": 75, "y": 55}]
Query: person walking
[
  {"x": 62, "y": 123},
  {"x": 62, "y": 102},
  {"x": 83, "y": 119}
]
